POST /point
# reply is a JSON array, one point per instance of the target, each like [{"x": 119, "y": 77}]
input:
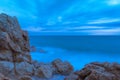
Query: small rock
[
  {"x": 33, "y": 49},
  {"x": 43, "y": 51}
]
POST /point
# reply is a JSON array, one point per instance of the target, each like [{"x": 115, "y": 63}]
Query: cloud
[
  {"x": 70, "y": 22},
  {"x": 113, "y": 2},
  {"x": 104, "y": 20},
  {"x": 86, "y": 28},
  {"x": 34, "y": 29},
  {"x": 59, "y": 18},
  {"x": 56, "y": 15},
  {"x": 49, "y": 23},
  {"x": 111, "y": 31}
]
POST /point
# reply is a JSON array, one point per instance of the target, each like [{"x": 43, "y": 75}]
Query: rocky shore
[
  {"x": 97, "y": 71},
  {"x": 16, "y": 62}
]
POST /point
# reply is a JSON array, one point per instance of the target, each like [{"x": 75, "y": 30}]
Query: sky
[{"x": 91, "y": 17}]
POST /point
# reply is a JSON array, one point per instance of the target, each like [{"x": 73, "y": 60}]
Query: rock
[
  {"x": 4, "y": 40},
  {"x": 6, "y": 67},
  {"x": 14, "y": 48},
  {"x": 24, "y": 68},
  {"x": 43, "y": 51},
  {"x": 15, "y": 59},
  {"x": 72, "y": 76},
  {"x": 63, "y": 68},
  {"x": 23, "y": 58},
  {"x": 2, "y": 77},
  {"x": 6, "y": 55},
  {"x": 25, "y": 78},
  {"x": 33, "y": 49},
  {"x": 12, "y": 39},
  {"x": 44, "y": 71},
  {"x": 98, "y": 71},
  {"x": 37, "y": 64}
]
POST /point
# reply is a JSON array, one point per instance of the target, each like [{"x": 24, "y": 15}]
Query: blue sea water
[{"x": 78, "y": 50}]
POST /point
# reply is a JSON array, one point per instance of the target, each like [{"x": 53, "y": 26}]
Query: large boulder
[
  {"x": 24, "y": 68},
  {"x": 98, "y": 71},
  {"x": 6, "y": 67},
  {"x": 13, "y": 41},
  {"x": 44, "y": 71},
  {"x": 63, "y": 68}
]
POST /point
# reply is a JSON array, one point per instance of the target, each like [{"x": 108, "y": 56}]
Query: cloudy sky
[{"x": 94, "y": 17}]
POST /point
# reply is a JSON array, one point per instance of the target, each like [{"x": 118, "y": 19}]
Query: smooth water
[{"x": 78, "y": 50}]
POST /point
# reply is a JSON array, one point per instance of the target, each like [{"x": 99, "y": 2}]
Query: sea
[{"x": 79, "y": 50}]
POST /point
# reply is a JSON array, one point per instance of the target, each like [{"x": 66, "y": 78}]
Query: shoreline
[{"x": 16, "y": 63}]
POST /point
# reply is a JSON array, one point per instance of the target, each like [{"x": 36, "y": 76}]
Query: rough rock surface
[
  {"x": 25, "y": 78},
  {"x": 97, "y": 71},
  {"x": 63, "y": 68},
  {"x": 2, "y": 77},
  {"x": 44, "y": 71},
  {"x": 6, "y": 67},
  {"x": 14, "y": 42},
  {"x": 56, "y": 67},
  {"x": 14, "y": 48},
  {"x": 24, "y": 68}
]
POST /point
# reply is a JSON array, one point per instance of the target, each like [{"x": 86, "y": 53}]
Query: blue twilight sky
[{"x": 96, "y": 17}]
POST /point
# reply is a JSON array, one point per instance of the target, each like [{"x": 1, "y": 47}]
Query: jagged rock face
[
  {"x": 13, "y": 40},
  {"x": 97, "y": 71}
]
